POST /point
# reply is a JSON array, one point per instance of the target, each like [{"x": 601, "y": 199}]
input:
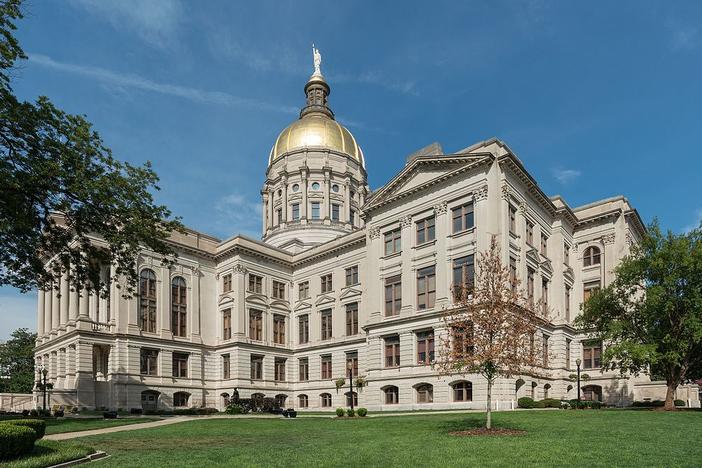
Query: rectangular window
[
  {"x": 530, "y": 285},
  {"x": 304, "y": 329},
  {"x": 426, "y": 288},
  {"x": 393, "y": 242},
  {"x": 566, "y": 254},
  {"x": 352, "y": 319},
  {"x": 392, "y": 351},
  {"x": 567, "y": 303},
  {"x": 544, "y": 244},
  {"x": 590, "y": 288},
  {"x": 279, "y": 329},
  {"x": 462, "y": 217},
  {"x": 352, "y": 217},
  {"x": 425, "y": 347},
  {"x": 149, "y": 361},
  {"x": 255, "y": 283},
  {"x": 256, "y": 325},
  {"x": 180, "y": 365},
  {"x": 326, "y": 324},
  {"x": 426, "y": 231},
  {"x": 463, "y": 277},
  {"x": 544, "y": 344},
  {"x": 544, "y": 294},
  {"x": 256, "y": 367},
  {"x": 304, "y": 290},
  {"x": 315, "y": 210},
  {"x": 463, "y": 337},
  {"x": 279, "y": 370},
  {"x": 226, "y": 366},
  {"x": 530, "y": 233},
  {"x": 512, "y": 219},
  {"x": 352, "y": 275},
  {"x": 393, "y": 295},
  {"x": 513, "y": 272},
  {"x": 326, "y": 367},
  {"x": 335, "y": 212},
  {"x": 296, "y": 211},
  {"x": 227, "y": 283},
  {"x": 227, "y": 324},
  {"x": 592, "y": 352},
  {"x": 278, "y": 290},
  {"x": 279, "y": 215},
  {"x": 303, "y": 370},
  {"x": 326, "y": 282},
  {"x": 567, "y": 355},
  {"x": 352, "y": 364}
]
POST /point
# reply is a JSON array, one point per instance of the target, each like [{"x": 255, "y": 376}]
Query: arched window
[
  {"x": 225, "y": 399},
  {"x": 326, "y": 400},
  {"x": 547, "y": 387},
  {"x": 425, "y": 393},
  {"x": 591, "y": 256},
  {"x": 392, "y": 395},
  {"x": 178, "y": 306},
  {"x": 304, "y": 401},
  {"x": 280, "y": 400},
  {"x": 533, "y": 390},
  {"x": 348, "y": 398},
  {"x": 147, "y": 300},
  {"x": 463, "y": 391},
  {"x": 180, "y": 399},
  {"x": 592, "y": 393}
]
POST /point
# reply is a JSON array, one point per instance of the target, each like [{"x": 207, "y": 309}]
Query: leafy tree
[
  {"x": 17, "y": 362},
  {"x": 60, "y": 187},
  {"x": 492, "y": 329},
  {"x": 650, "y": 317}
]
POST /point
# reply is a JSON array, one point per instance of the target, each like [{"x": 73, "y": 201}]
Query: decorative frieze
[
  {"x": 239, "y": 268},
  {"x": 505, "y": 192},
  {"x": 523, "y": 208},
  {"x": 374, "y": 232},
  {"x": 608, "y": 239},
  {"x": 481, "y": 193},
  {"x": 629, "y": 239},
  {"x": 440, "y": 208},
  {"x": 406, "y": 221}
]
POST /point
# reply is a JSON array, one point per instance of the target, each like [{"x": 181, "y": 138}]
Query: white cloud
[
  {"x": 238, "y": 214},
  {"x": 696, "y": 223},
  {"x": 682, "y": 36},
  {"x": 128, "y": 80},
  {"x": 16, "y": 311},
  {"x": 157, "y": 22},
  {"x": 565, "y": 176}
]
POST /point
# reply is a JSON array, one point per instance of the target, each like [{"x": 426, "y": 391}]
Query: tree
[
  {"x": 492, "y": 329},
  {"x": 60, "y": 187},
  {"x": 650, "y": 317},
  {"x": 17, "y": 362}
]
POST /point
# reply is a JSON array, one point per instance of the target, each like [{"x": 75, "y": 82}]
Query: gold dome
[{"x": 316, "y": 130}]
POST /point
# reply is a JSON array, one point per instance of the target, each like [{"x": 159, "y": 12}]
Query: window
[
  {"x": 178, "y": 306},
  {"x": 530, "y": 284},
  {"x": 278, "y": 329},
  {"x": 279, "y": 215},
  {"x": 279, "y": 370},
  {"x": 295, "y": 211},
  {"x": 462, "y": 217},
  {"x": 392, "y": 351},
  {"x": 591, "y": 256},
  {"x": 296, "y": 187},
  {"x": 590, "y": 288},
  {"x": 463, "y": 277},
  {"x": 327, "y": 285},
  {"x": 426, "y": 230},
  {"x": 335, "y": 212},
  {"x": 352, "y": 217},
  {"x": 425, "y": 393},
  {"x": 392, "y": 395},
  {"x": 180, "y": 399},
  {"x": 566, "y": 254},
  {"x": 393, "y": 295},
  {"x": 304, "y": 329},
  {"x": 315, "y": 185},
  {"x": 255, "y": 283},
  {"x": 226, "y": 366},
  {"x": 544, "y": 349},
  {"x": 426, "y": 288},
  {"x": 425, "y": 347},
  {"x": 326, "y": 324},
  {"x": 351, "y": 399},
  {"x": 592, "y": 393},
  {"x": 256, "y": 367},
  {"x": 513, "y": 272},
  {"x": 393, "y": 242},
  {"x": 147, "y": 301},
  {"x": 149, "y": 361},
  {"x": 463, "y": 340},
  {"x": 530, "y": 233},
  {"x": 255, "y": 325},
  {"x": 544, "y": 244},
  {"x": 278, "y": 290},
  {"x": 327, "y": 367},
  {"x": 567, "y": 354},
  {"x": 463, "y": 391},
  {"x": 352, "y": 364},
  {"x": 592, "y": 352},
  {"x": 227, "y": 283},
  {"x": 304, "y": 290},
  {"x": 315, "y": 210},
  {"x": 326, "y": 400},
  {"x": 352, "y": 319},
  {"x": 352, "y": 275},
  {"x": 512, "y": 219},
  {"x": 180, "y": 365},
  {"x": 335, "y": 188},
  {"x": 227, "y": 324},
  {"x": 303, "y": 369},
  {"x": 567, "y": 303},
  {"x": 544, "y": 293},
  {"x": 303, "y": 401}
]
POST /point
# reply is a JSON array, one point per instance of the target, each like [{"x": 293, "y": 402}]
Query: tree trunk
[
  {"x": 488, "y": 423},
  {"x": 669, "y": 396}
]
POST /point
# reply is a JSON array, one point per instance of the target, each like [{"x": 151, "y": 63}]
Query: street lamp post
[
  {"x": 351, "y": 385},
  {"x": 577, "y": 363},
  {"x": 44, "y": 371}
]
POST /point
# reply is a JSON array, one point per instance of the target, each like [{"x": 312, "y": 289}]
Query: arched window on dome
[
  {"x": 592, "y": 256},
  {"x": 147, "y": 300},
  {"x": 179, "y": 310}
]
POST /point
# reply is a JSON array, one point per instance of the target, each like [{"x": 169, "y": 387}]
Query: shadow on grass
[{"x": 472, "y": 423}]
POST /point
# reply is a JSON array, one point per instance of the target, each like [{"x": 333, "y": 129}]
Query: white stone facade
[{"x": 94, "y": 347}]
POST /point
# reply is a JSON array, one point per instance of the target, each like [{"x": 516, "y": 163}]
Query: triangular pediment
[
  {"x": 350, "y": 292},
  {"x": 532, "y": 257},
  {"x": 324, "y": 299},
  {"x": 547, "y": 267},
  {"x": 302, "y": 305}
]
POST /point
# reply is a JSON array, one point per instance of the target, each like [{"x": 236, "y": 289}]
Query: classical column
[
  {"x": 442, "y": 265},
  {"x": 409, "y": 275},
  {"x": 65, "y": 298},
  {"x": 265, "y": 211},
  {"x": 304, "y": 207},
  {"x": 113, "y": 307},
  {"x": 345, "y": 216},
  {"x": 327, "y": 196},
  {"x": 48, "y": 300},
  {"x": 284, "y": 201},
  {"x": 84, "y": 304},
  {"x": 73, "y": 305},
  {"x": 271, "y": 209},
  {"x": 40, "y": 312},
  {"x": 55, "y": 306}
]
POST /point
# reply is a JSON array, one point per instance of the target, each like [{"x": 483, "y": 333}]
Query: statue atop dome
[{"x": 317, "y": 57}]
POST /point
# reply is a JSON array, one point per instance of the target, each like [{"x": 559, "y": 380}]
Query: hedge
[
  {"x": 362, "y": 412},
  {"x": 15, "y": 440},
  {"x": 38, "y": 425},
  {"x": 526, "y": 402}
]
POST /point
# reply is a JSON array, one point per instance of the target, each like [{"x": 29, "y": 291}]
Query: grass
[
  {"x": 50, "y": 452},
  {"x": 60, "y": 425},
  {"x": 573, "y": 438}
]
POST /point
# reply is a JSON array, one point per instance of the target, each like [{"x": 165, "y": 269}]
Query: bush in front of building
[
  {"x": 679, "y": 402},
  {"x": 15, "y": 440},
  {"x": 340, "y": 412},
  {"x": 362, "y": 412},
  {"x": 37, "y": 425},
  {"x": 648, "y": 404},
  {"x": 526, "y": 402},
  {"x": 236, "y": 409},
  {"x": 350, "y": 412},
  {"x": 551, "y": 403}
]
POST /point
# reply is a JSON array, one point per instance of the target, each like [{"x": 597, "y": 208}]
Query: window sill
[
  {"x": 391, "y": 255},
  {"x": 592, "y": 267},
  {"x": 426, "y": 244},
  {"x": 461, "y": 233}
]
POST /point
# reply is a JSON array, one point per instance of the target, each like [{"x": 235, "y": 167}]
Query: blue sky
[{"x": 596, "y": 98}]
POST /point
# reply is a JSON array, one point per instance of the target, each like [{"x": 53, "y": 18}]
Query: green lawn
[
  {"x": 50, "y": 452},
  {"x": 59, "y": 425},
  {"x": 582, "y": 438}
]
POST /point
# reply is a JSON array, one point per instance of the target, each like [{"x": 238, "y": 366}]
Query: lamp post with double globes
[
  {"x": 44, "y": 372},
  {"x": 577, "y": 363},
  {"x": 350, "y": 369}
]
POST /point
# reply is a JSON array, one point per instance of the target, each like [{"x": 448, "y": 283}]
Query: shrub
[
  {"x": 679, "y": 403},
  {"x": 350, "y": 412},
  {"x": 185, "y": 411},
  {"x": 236, "y": 409},
  {"x": 551, "y": 403},
  {"x": 38, "y": 425},
  {"x": 136, "y": 411},
  {"x": 539, "y": 404},
  {"x": 34, "y": 413},
  {"x": 362, "y": 412},
  {"x": 207, "y": 411},
  {"x": 15, "y": 440},
  {"x": 25, "y": 413},
  {"x": 526, "y": 402},
  {"x": 340, "y": 412}
]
